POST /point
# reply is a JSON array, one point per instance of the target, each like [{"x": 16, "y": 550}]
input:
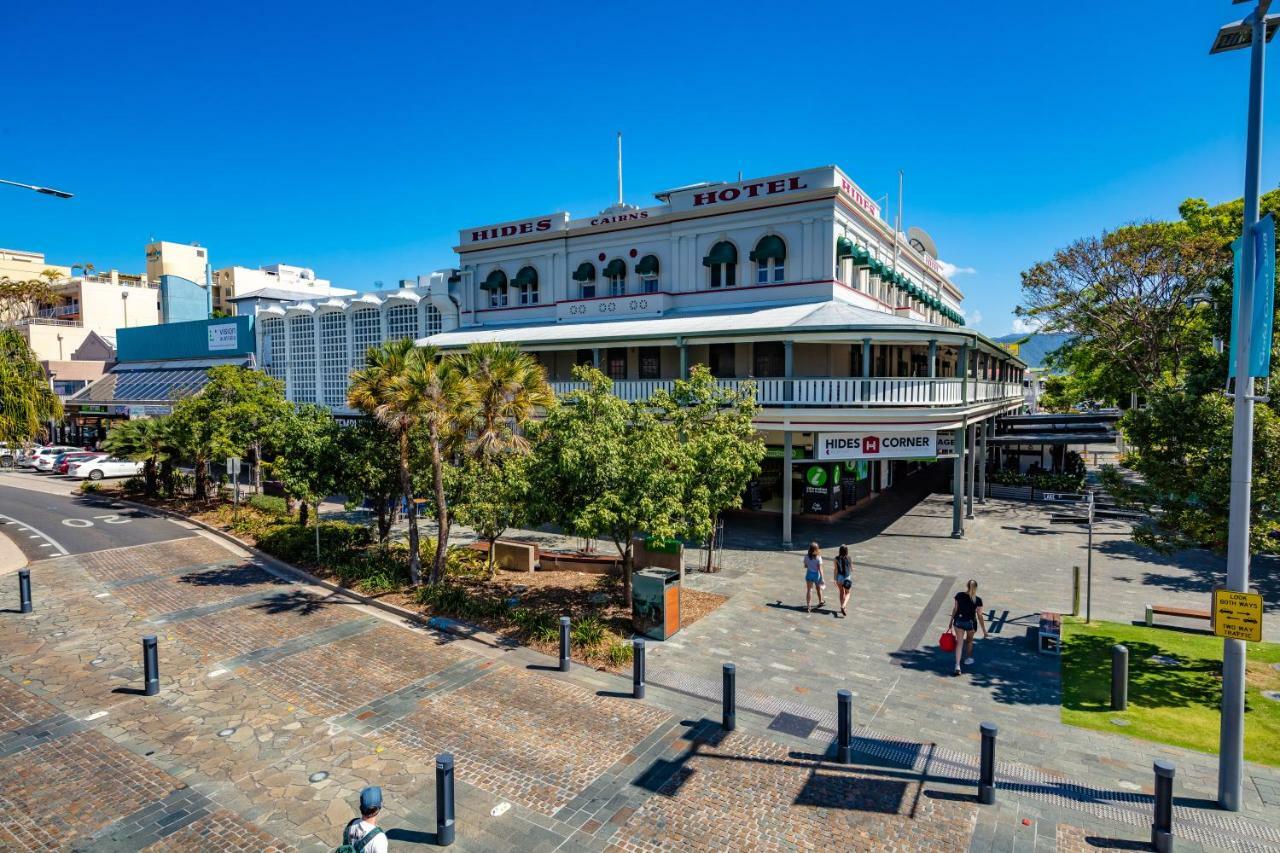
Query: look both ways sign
[{"x": 872, "y": 445}]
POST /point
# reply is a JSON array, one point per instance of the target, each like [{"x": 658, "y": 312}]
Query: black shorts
[{"x": 966, "y": 624}]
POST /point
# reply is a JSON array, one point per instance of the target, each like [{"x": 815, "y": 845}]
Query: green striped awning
[
  {"x": 527, "y": 277},
  {"x": 497, "y": 280},
  {"x": 844, "y": 248},
  {"x": 769, "y": 248},
  {"x": 616, "y": 267},
  {"x": 721, "y": 253},
  {"x": 586, "y": 271},
  {"x": 648, "y": 265}
]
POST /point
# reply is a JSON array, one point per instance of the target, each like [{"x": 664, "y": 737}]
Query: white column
[{"x": 786, "y": 489}]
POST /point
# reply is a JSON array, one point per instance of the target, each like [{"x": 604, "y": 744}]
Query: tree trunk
[
  {"x": 406, "y": 486},
  {"x": 257, "y": 467},
  {"x": 166, "y": 477},
  {"x": 149, "y": 476},
  {"x": 384, "y": 520},
  {"x": 442, "y": 510},
  {"x": 303, "y": 509},
  {"x": 202, "y": 479},
  {"x": 493, "y": 570},
  {"x": 626, "y": 575},
  {"x": 711, "y": 547}
]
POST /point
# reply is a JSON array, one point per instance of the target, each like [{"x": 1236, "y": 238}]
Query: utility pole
[{"x": 1231, "y": 741}]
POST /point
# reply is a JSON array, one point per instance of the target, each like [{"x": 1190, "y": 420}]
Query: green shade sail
[
  {"x": 648, "y": 265},
  {"x": 616, "y": 267},
  {"x": 496, "y": 280},
  {"x": 769, "y": 248},
  {"x": 586, "y": 271},
  {"x": 721, "y": 253},
  {"x": 527, "y": 277}
]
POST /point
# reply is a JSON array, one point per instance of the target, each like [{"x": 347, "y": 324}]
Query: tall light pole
[
  {"x": 1252, "y": 32},
  {"x": 42, "y": 190}
]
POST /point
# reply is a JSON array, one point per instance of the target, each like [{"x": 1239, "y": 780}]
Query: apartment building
[{"x": 232, "y": 283}]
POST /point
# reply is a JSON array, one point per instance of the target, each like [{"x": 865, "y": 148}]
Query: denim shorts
[
  {"x": 813, "y": 577},
  {"x": 966, "y": 624}
]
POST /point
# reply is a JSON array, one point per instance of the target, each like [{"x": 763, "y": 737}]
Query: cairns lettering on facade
[
  {"x": 781, "y": 185},
  {"x": 621, "y": 217}
]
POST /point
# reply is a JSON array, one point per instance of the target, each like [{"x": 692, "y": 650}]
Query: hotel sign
[
  {"x": 611, "y": 308},
  {"x": 869, "y": 445},
  {"x": 709, "y": 197},
  {"x": 516, "y": 228}
]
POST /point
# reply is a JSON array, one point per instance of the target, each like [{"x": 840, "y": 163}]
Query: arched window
[
  {"x": 302, "y": 355},
  {"x": 526, "y": 283},
  {"x": 770, "y": 256},
  {"x": 616, "y": 273},
  {"x": 402, "y": 322},
  {"x": 647, "y": 269},
  {"x": 585, "y": 276},
  {"x": 496, "y": 284},
  {"x": 723, "y": 263},
  {"x": 333, "y": 359},
  {"x": 366, "y": 331}
]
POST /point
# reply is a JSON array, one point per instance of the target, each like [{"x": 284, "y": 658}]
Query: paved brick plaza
[{"x": 280, "y": 702}]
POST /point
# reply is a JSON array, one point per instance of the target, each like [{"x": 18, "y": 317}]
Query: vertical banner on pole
[{"x": 1264, "y": 287}]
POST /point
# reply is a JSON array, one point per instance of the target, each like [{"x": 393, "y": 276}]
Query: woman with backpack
[{"x": 813, "y": 576}]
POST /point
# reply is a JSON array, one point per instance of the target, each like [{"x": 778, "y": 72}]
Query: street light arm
[{"x": 42, "y": 190}]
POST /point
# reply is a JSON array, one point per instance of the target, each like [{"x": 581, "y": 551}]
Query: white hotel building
[{"x": 853, "y": 335}]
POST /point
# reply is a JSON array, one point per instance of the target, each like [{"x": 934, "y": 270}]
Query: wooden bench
[{"x": 1154, "y": 610}]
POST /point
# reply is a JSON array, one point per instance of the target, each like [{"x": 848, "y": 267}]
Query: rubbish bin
[{"x": 655, "y": 602}]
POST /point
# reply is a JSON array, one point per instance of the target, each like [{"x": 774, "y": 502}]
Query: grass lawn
[{"x": 1169, "y": 704}]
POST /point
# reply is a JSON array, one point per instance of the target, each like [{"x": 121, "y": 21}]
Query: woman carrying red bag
[{"x": 966, "y": 617}]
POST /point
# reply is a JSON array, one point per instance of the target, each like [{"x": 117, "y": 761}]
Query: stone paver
[
  {"x": 220, "y": 831},
  {"x": 265, "y": 624},
  {"x": 136, "y": 561},
  {"x": 196, "y": 588}
]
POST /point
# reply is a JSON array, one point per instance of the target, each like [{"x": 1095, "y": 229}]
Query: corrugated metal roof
[
  {"x": 157, "y": 382},
  {"x": 817, "y": 317}
]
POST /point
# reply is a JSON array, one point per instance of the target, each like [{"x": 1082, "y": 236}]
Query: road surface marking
[
  {"x": 102, "y": 595},
  {"x": 24, "y": 526},
  {"x": 77, "y": 522},
  {"x": 95, "y": 716}
]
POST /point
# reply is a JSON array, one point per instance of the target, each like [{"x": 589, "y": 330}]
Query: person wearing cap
[{"x": 363, "y": 833}]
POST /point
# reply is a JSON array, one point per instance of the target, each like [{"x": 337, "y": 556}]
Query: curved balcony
[{"x": 832, "y": 392}]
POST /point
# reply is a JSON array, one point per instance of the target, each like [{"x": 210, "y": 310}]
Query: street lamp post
[
  {"x": 1253, "y": 33},
  {"x": 42, "y": 190}
]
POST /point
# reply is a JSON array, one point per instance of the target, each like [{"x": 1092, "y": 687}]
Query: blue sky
[{"x": 357, "y": 139}]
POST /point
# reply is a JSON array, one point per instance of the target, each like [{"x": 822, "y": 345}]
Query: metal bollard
[
  {"x": 564, "y": 643},
  {"x": 844, "y": 726},
  {"x": 1162, "y": 827},
  {"x": 1119, "y": 678},
  {"x": 729, "y": 698},
  {"x": 24, "y": 591},
  {"x": 987, "y": 768},
  {"x": 444, "y": 799},
  {"x": 150, "y": 666},
  {"x": 1075, "y": 590},
  {"x": 637, "y": 668}
]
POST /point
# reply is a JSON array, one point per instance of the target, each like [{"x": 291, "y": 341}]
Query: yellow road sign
[{"x": 1237, "y": 615}]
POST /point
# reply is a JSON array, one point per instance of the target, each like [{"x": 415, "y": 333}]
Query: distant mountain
[{"x": 1037, "y": 346}]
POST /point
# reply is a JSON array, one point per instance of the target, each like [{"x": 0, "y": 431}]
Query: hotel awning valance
[
  {"x": 527, "y": 277},
  {"x": 648, "y": 265},
  {"x": 770, "y": 248},
  {"x": 496, "y": 280},
  {"x": 586, "y": 271},
  {"x": 616, "y": 267},
  {"x": 721, "y": 253}
]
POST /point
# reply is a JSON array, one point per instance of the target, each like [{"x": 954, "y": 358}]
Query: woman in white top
[{"x": 813, "y": 577}]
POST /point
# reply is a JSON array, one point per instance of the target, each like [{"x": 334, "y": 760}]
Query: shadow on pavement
[{"x": 1008, "y": 668}]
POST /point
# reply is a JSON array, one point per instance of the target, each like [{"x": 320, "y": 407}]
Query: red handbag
[{"x": 948, "y": 642}]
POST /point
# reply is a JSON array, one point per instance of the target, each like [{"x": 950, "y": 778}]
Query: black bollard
[
  {"x": 1119, "y": 678},
  {"x": 729, "y": 698},
  {"x": 637, "y": 668},
  {"x": 444, "y": 799},
  {"x": 150, "y": 666},
  {"x": 24, "y": 591},
  {"x": 844, "y": 726},
  {"x": 1162, "y": 827},
  {"x": 564, "y": 643},
  {"x": 987, "y": 768}
]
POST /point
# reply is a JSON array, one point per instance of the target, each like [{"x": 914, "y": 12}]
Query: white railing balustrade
[{"x": 834, "y": 391}]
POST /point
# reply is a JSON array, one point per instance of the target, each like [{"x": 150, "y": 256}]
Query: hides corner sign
[{"x": 895, "y": 445}]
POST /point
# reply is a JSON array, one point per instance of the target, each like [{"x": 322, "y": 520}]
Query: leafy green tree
[
  {"x": 27, "y": 403},
  {"x": 493, "y": 495},
  {"x": 251, "y": 408},
  {"x": 147, "y": 441},
  {"x": 370, "y": 472},
  {"x": 609, "y": 469},
  {"x": 199, "y": 434},
  {"x": 309, "y": 461},
  {"x": 723, "y": 447}
]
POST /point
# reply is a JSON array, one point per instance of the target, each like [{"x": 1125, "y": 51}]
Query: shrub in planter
[
  {"x": 134, "y": 486},
  {"x": 1009, "y": 477},
  {"x": 292, "y": 543},
  {"x": 268, "y": 504},
  {"x": 588, "y": 632},
  {"x": 536, "y": 625},
  {"x": 619, "y": 652}
]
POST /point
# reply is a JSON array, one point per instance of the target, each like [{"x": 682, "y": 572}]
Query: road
[{"x": 44, "y": 523}]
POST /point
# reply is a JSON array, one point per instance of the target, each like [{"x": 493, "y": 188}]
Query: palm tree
[
  {"x": 373, "y": 390},
  {"x": 432, "y": 390},
  {"x": 145, "y": 441},
  {"x": 504, "y": 387}
]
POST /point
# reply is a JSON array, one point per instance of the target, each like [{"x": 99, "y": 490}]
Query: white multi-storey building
[{"x": 852, "y": 334}]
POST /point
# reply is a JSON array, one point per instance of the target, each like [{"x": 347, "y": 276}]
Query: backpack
[{"x": 357, "y": 847}]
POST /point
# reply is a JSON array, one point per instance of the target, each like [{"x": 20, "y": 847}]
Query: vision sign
[{"x": 865, "y": 445}]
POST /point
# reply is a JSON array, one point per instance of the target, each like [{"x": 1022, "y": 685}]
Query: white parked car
[
  {"x": 105, "y": 466},
  {"x": 42, "y": 459}
]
